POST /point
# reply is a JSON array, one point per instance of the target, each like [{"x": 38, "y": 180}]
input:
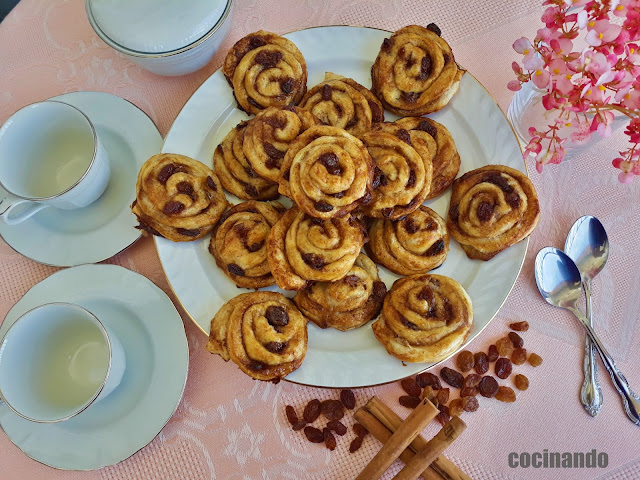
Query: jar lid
[{"x": 155, "y": 26}]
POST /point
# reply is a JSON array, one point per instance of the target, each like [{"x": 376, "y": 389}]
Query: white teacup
[
  {"x": 50, "y": 156},
  {"x": 56, "y": 360}
]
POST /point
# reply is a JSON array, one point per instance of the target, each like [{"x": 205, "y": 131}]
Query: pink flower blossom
[
  {"x": 601, "y": 31},
  {"x": 581, "y": 134},
  {"x": 514, "y": 85},
  {"x": 522, "y": 45},
  {"x": 541, "y": 78}
]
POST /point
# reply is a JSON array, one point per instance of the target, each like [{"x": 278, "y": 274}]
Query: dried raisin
[
  {"x": 299, "y": 425},
  {"x": 426, "y": 379},
  {"x": 506, "y": 394},
  {"x": 519, "y": 356},
  {"x": 337, "y": 426},
  {"x": 443, "y": 396},
  {"x": 329, "y": 439},
  {"x": 469, "y": 391},
  {"x": 492, "y": 355},
  {"x": 535, "y": 360},
  {"x": 410, "y": 386},
  {"x": 312, "y": 411},
  {"x": 332, "y": 409},
  {"x": 443, "y": 417},
  {"x": 360, "y": 430},
  {"x": 472, "y": 380},
  {"x": 455, "y": 407},
  {"x": 521, "y": 382},
  {"x": 292, "y": 416},
  {"x": 465, "y": 361},
  {"x": 519, "y": 326},
  {"x": 348, "y": 399},
  {"x": 481, "y": 363},
  {"x": 409, "y": 402},
  {"x": 470, "y": 404},
  {"x": 505, "y": 347},
  {"x": 313, "y": 434},
  {"x": 503, "y": 368},
  {"x": 451, "y": 377},
  {"x": 355, "y": 445},
  {"x": 488, "y": 386},
  {"x": 516, "y": 340}
]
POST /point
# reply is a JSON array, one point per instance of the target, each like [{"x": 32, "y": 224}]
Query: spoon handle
[
  {"x": 591, "y": 392},
  {"x": 630, "y": 401}
]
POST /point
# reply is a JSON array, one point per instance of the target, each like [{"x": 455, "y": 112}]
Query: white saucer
[
  {"x": 89, "y": 235},
  {"x": 157, "y": 355}
]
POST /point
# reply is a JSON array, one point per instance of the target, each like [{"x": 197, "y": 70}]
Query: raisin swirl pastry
[
  {"x": 327, "y": 172},
  {"x": 425, "y": 318},
  {"x": 261, "y": 332},
  {"x": 265, "y": 70},
  {"x": 401, "y": 179},
  {"x": 268, "y": 135},
  {"x": 415, "y": 244},
  {"x": 433, "y": 141},
  {"x": 415, "y": 72},
  {"x": 492, "y": 208},
  {"x": 236, "y": 174},
  {"x": 347, "y": 303},
  {"x": 344, "y": 103},
  {"x": 177, "y": 197},
  {"x": 238, "y": 242},
  {"x": 301, "y": 248}
]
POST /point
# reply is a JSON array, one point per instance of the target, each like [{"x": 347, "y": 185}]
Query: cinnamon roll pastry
[
  {"x": 177, "y": 197},
  {"x": 327, "y": 172},
  {"x": 261, "y": 332},
  {"x": 401, "y": 179},
  {"x": 236, "y": 174},
  {"x": 344, "y": 103},
  {"x": 301, "y": 248},
  {"x": 265, "y": 70},
  {"x": 268, "y": 135},
  {"x": 492, "y": 208},
  {"x": 347, "y": 303},
  {"x": 440, "y": 148},
  {"x": 425, "y": 318},
  {"x": 238, "y": 242},
  {"x": 415, "y": 72},
  {"x": 415, "y": 244}
]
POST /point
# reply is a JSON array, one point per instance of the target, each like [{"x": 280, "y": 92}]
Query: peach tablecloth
[{"x": 228, "y": 426}]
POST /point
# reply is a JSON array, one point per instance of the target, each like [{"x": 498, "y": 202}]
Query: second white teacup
[
  {"x": 50, "y": 156},
  {"x": 56, "y": 360}
]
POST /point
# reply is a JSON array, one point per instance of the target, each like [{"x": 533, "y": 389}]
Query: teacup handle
[{"x": 9, "y": 202}]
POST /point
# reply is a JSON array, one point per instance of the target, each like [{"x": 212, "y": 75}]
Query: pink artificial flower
[
  {"x": 514, "y": 85},
  {"x": 620, "y": 10},
  {"x": 576, "y": 3},
  {"x": 582, "y": 19},
  {"x": 625, "y": 177},
  {"x": 515, "y": 66},
  {"x": 601, "y": 31},
  {"x": 581, "y": 134},
  {"x": 595, "y": 62},
  {"x": 533, "y": 62},
  {"x": 631, "y": 100},
  {"x": 633, "y": 130},
  {"x": 523, "y": 45},
  {"x": 602, "y": 123},
  {"x": 633, "y": 53},
  {"x": 550, "y": 17},
  {"x": 541, "y": 78},
  {"x": 591, "y": 93}
]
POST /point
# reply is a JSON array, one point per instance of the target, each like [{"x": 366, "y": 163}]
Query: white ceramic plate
[
  {"x": 153, "y": 337},
  {"x": 88, "y": 235},
  {"x": 355, "y": 358}
]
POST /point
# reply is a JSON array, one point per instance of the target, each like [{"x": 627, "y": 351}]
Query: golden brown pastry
[
  {"x": 301, "y": 248},
  {"x": 347, "y": 303},
  {"x": 401, "y": 179},
  {"x": 415, "y": 72},
  {"x": 425, "y": 318},
  {"x": 434, "y": 143},
  {"x": 265, "y": 70},
  {"x": 344, "y": 103},
  {"x": 327, "y": 172},
  {"x": 492, "y": 208},
  {"x": 262, "y": 332},
  {"x": 177, "y": 197},
  {"x": 417, "y": 243},
  {"x": 268, "y": 135},
  {"x": 238, "y": 242},
  {"x": 236, "y": 174}
]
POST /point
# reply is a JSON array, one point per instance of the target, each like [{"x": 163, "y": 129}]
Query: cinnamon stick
[
  {"x": 444, "y": 467},
  {"x": 432, "y": 450},
  {"x": 406, "y": 432}
]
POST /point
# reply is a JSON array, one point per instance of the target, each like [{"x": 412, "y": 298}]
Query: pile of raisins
[
  {"x": 333, "y": 411},
  {"x": 506, "y": 352}
]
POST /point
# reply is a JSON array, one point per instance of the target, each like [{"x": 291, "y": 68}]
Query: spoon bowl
[
  {"x": 558, "y": 278},
  {"x": 588, "y": 246}
]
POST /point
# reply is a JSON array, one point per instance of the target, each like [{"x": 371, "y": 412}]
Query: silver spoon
[
  {"x": 588, "y": 246},
  {"x": 560, "y": 284}
]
